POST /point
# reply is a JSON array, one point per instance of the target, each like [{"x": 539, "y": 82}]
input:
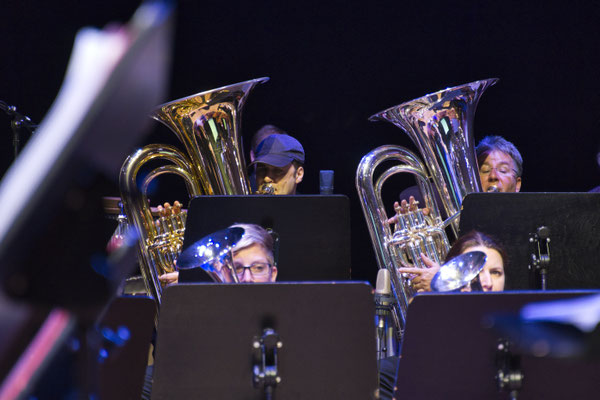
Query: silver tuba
[
  {"x": 440, "y": 124},
  {"x": 207, "y": 124}
]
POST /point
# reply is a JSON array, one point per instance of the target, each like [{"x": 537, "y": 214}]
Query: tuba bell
[
  {"x": 208, "y": 126},
  {"x": 440, "y": 125}
]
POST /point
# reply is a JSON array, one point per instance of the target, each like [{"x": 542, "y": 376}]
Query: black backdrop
[{"x": 334, "y": 63}]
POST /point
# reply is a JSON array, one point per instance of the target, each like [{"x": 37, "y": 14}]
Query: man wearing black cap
[{"x": 279, "y": 161}]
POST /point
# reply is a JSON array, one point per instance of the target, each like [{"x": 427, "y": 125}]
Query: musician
[
  {"x": 492, "y": 275},
  {"x": 260, "y": 135},
  {"x": 253, "y": 259},
  {"x": 500, "y": 165},
  {"x": 500, "y": 170},
  {"x": 279, "y": 164}
]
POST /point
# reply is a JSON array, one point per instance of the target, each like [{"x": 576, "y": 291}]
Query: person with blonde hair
[{"x": 252, "y": 260}]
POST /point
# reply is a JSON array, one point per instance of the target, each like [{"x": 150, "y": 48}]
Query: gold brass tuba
[
  {"x": 208, "y": 125},
  {"x": 440, "y": 125}
]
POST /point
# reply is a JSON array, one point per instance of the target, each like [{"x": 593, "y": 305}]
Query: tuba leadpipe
[
  {"x": 208, "y": 126},
  {"x": 440, "y": 125}
]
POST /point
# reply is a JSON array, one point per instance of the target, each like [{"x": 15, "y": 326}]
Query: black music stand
[
  {"x": 205, "y": 334},
  {"x": 314, "y": 230},
  {"x": 449, "y": 350},
  {"x": 118, "y": 369},
  {"x": 19, "y": 324},
  {"x": 53, "y": 228},
  {"x": 52, "y": 238},
  {"x": 121, "y": 374},
  {"x": 572, "y": 218}
]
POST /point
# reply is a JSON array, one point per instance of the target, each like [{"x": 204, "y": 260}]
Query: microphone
[
  {"x": 383, "y": 301},
  {"x": 383, "y": 287},
  {"x": 326, "y": 181}
]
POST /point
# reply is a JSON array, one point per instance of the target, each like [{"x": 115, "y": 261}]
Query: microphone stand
[
  {"x": 540, "y": 257},
  {"x": 18, "y": 122},
  {"x": 384, "y": 329}
]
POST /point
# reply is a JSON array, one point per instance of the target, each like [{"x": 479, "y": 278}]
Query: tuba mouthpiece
[{"x": 266, "y": 189}]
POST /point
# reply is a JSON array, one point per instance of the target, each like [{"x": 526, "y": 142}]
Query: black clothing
[{"x": 388, "y": 368}]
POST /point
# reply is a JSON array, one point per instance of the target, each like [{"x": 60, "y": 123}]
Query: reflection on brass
[
  {"x": 266, "y": 188},
  {"x": 440, "y": 125},
  {"x": 207, "y": 124}
]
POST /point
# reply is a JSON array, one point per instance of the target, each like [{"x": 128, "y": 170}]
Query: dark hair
[
  {"x": 472, "y": 239},
  {"x": 262, "y": 133},
  {"x": 297, "y": 164},
  {"x": 493, "y": 143}
]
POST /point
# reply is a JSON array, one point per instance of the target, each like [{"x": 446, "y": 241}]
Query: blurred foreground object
[
  {"x": 51, "y": 228},
  {"x": 52, "y": 239}
]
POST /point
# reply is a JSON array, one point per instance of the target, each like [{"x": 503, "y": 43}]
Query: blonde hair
[{"x": 255, "y": 234}]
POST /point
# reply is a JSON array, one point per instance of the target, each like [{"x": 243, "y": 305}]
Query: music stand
[
  {"x": 573, "y": 220},
  {"x": 124, "y": 332},
  {"x": 314, "y": 230},
  {"x": 19, "y": 324},
  {"x": 53, "y": 226},
  {"x": 121, "y": 374},
  {"x": 449, "y": 349},
  {"x": 205, "y": 335}
]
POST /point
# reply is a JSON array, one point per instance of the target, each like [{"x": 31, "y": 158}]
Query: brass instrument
[
  {"x": 214, "y": 254},
  {"x": 460, "y": 273},
  {"x": 266, "y": 188},
  {"x": 440, "y": 125},
  {"x": 208, "y": 125}
]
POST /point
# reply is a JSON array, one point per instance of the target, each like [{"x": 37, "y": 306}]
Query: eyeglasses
[
  {"x": 257, "y": 269},
  {"x": 502, "y": 170}
]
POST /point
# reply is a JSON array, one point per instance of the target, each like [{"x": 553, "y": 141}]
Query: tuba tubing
[
  {"x": 208, "y": 126},
  {"x": 137, "y": 209},
  {"x": 371, "y": 201},
  {"x": 440, "y": 125}
]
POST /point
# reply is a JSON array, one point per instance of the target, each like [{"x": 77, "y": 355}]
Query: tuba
[
  {"x": 440, "y": 125},
  {"x": 208, "y": 126}
]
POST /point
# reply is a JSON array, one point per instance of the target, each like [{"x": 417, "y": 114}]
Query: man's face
[
  {"x": 283, "y": 180},
  {"x": 499, "y": 170},
  {"x": 257, "y": 258}
]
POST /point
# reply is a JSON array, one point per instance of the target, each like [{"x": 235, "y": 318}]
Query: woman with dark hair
[{"x": 491, "y": 276}]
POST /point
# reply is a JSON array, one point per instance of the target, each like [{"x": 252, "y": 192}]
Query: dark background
[{"x": 335, "y": 63}]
